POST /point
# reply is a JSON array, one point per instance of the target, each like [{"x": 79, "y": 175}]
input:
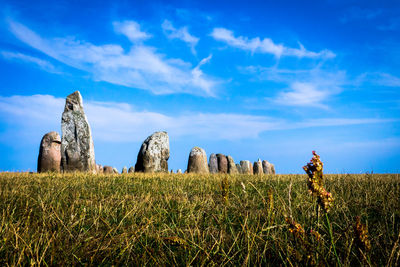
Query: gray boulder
[
  {"x": 268, "y": 168},
  {"x": 49, "y": 153},
  {"x": 124, "y": 170},
  {"x": 222, "y": 163},
  {"x": 131, "y": 170},
  {"x": 257, "y": 168},
  {"x": 197, "y": 162},
  {"x": 232, "y": 166},
  {"x": 154, "y": 154},
  {"x": 77, "y": 150},
  {"x": 213, "y": 164},
  {"x": 246, "y": 167}
]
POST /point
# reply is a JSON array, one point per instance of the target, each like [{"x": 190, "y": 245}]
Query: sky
[{"x": 273, "y": 80}]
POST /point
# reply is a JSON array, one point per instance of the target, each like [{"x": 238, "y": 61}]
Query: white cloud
[
  {"x": 305, "y": 87},
  {"x": 130, "y": 29},
  {"x": 43, "y": 64},
  {"x": 266, "y": 46},
  {"x": 303, "y": 94},
  {"x": 120, "y": 122},
  {"x": 182, "y": 34},
  {"x": 140, "y": 67}
]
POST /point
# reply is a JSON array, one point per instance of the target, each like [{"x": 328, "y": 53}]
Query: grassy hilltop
[{"x": 187, "y": 219}]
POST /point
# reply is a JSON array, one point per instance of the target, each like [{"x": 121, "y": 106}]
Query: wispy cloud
[
  {"x": 304, "y": 87},
  {"x": 140, "y": 67},
  {"x": 130, "y": 29},
  {"x": 43, "y": 64},
  {"x": 378, "y": 78},
  {"x": 120, "y": 122},
  {"x": 182, "y": 34},
  {"x": 266, "y": 45}
]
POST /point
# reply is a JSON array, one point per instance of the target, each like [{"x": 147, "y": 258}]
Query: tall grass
[{"x": 187, "y": 219}]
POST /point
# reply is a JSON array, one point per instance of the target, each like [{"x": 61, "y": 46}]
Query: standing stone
[
  {"x": 49, "y": 153},
  {"x": 245, "y": 167},
  {"x": 197, "y": 161},
  {"x": 268, "y": 168},
  {"x": 239, "y": 168},
  {"x": 213, "y": 164},
  {"x": 251, "y": 168},
  {"x": 77, "y": 150},
  {"x": 107, "y": 170},
  {"x": 154, "y": 154},
  {"x": 131, "y": 170},
  {"x": 179, "y": 171},
  {"x": 115, "y": 170},
  {"x": 232, "y": 166},
  {"x": 124, "y": 170},
  {"x": 222, "y": 163},
  {"x": 257, "y": 168}
]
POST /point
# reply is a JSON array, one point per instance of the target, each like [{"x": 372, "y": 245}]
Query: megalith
[
  {"x": 222, "y": 163},
  {"x": 257, "y": 168},
  {"x": 232, "y": 166},
  {"x": 154, "y": 154},
  {"x": 77, "y": 150},
  {"x": 49, "y": 153},
  {"x": 245, "y": 166},
  {"x": 268, "y": 168},
  {"x": 213, "y": 163},
  {"x": 197, "y": 162}
]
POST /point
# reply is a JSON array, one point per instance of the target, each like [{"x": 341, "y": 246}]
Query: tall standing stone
[
  {"x": 197, "y": 162},
  {"x": 245, "y": 167},
  {"x": 50, "y": 153},
  {"x": 257, "y": 167},
  {"x": 77, "y": 150},
  {"x": 154, "y": 154},
  {"x": 131, "y": 170},
  {"x": 107, "y": 169},
  {"x": 222, "y": 163},
  {"x": 232, "y": 166},
  {"x": 268, "y": 168},
  {"x": 213, "y": 163}
]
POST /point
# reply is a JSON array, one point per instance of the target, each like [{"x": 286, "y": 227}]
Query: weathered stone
[
  {"x": 179, "y": 171},
  {"x": 251, "y": 169},
  {"x": 115, "y": 170},
  {"x": 77, "y": 150},
  {"x": 131, "y": 170},
  {"x": 154, "y": 154},
  {"x": 213, "y": 164},
  {"x": 245, "y": 166},
  {"x": 49, "y": 153},
  {"x": 124, "y": 170},
  {"x": 107, "y": 170},
  {"x": 99, "y": 168},
  {"x": 239, "y": 168},
  {"x": 231, "y": 166},
  {"x": 257, "y": 168},
  {"x": 222, "y": 163},
  {"x": 197, "y": 162},
  {"x": 268, "y": 168}
]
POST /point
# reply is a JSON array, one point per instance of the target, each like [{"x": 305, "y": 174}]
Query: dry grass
[{"x": 176, "y": 219}]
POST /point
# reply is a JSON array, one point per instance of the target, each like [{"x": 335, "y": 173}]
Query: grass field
[{"x": 185, "y": 219}]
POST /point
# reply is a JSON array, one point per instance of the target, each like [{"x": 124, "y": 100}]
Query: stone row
[{"x": 74, "y": 151}]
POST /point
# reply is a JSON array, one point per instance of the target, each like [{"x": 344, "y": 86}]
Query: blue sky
[{"x": 269, "y": 79}]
